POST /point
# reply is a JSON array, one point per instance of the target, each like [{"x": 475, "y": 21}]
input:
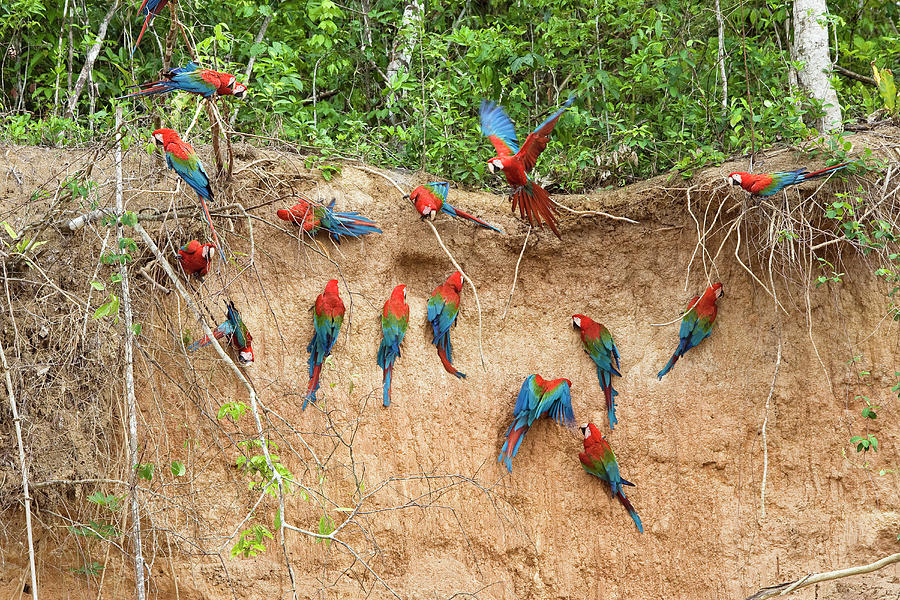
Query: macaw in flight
[
  {"x": 598, "y": 460},
  {"x": 767, "y": 184},
  {"x": 537, "y": 398},
  {"x": 696, "y": 324},
  {"x": 532, "y": 200},
  {"x": 394, "y": 321},
  {"x": 328, "y": 315},
  {"x": 313, "y": 217},
  {"x": 235, "y": 331},
  {"x": 431, "y": 198},
  {"x": 195, "y": 257},
  {"x": 194, "y": 80}
]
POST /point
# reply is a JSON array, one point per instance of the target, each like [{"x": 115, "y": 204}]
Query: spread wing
[
  {"x": 559, "y": 402},
  {"x": 537, "y": 139},
  {"x": 497, "y": 127}
]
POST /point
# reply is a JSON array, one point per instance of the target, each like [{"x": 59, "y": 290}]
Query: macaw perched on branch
[
  {"x": 599, "y": 345},
  {"x": 443, "y": 308},
  {"x": 431, "y": 198},
  {"x": 532, "y": 200},
  {"x": 234, "y": 330},
  {"x": 194, "y": 80},
  {"x": 313, "y": 217},
  {"x": 598, "y": 460},
  {"x": 328, "y": 314},
  {"x": 394, "y": 321},
  {"x": 767, "y": 184},
  {"x": 696, "y": 325},
  {"x": 181, "y": 158},
  {"x": 537, "y": 398},
  {"x": 151, "y": 8},
  {"x": 195, "y": 257}
]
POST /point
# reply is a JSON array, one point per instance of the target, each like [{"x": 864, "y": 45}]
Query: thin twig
[
  {"x": 515, "y": 277},
  {"x": 783, "y": 589},
  {"x": 762, "y": 491},
  {"x": 591, "y": 213}
]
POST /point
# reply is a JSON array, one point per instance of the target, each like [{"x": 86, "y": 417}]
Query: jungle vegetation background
[{"x": 352, "y": 79}]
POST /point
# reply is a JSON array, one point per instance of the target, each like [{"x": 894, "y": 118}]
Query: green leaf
[
  {"x": 97, "y": 285},
  {"x": 135, "y": 329},
  {"x": 9, "y": 230},
  {"x": 177, "y": 468},
  {"x": 145, "y": 471}
]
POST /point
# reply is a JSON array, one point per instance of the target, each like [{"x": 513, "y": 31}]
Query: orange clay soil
[{"x": 432, "y": 514}]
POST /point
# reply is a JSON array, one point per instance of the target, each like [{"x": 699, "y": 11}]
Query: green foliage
[
  {"x": 177, "y": 468},
  {"x": 864, "y": 444},
  {"x": 646, "y": 77},
  {"x": 232, "y": 410},
  {"x": 888, "y": 90},
  {"x": 326, "y": 526},
  {"x": 255, "y": 465},
  {"x": 251, "y": 542},
  {"x": 145, "y": 470},
  {"x": 91, "y": 569},
  {"x": 110, "y": 501}
]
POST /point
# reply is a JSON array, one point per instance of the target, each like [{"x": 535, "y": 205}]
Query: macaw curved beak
[{"x": 491, "y": 167}]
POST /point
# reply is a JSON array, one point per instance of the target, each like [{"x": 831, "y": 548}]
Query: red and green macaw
[
  {"x": 151, "y": 8},
  {"x": 696, "y": 324},
  {"x": 313, "y": 217},
  {"x": 532, "y": 200},
  {"x": 767, "y": 184},
  {"x": 194, "y": 80},
  {"x": 394, "y": 321},
  {"x": 235, "y": 332},
  {"x": 328, "y": 314},
  {"x": 181, "y": 158},
  {"x": 598, "y": 460},
  {"x": 599, "y": 345},
  {"x": 443, "y": 308},
  {"x": 195, "y": 257},
  {"x": 537, "y": 398},
  {"x": 431, "y": 198}
]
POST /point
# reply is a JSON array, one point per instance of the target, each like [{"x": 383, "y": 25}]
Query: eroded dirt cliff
[{"x": 429, "y": 511}]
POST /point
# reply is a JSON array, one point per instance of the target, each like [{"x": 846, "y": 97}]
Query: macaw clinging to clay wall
[
  {"x": 537, "y": 398},
  {"x": 328, "y": 315},
  {"x": 313, "y": 217},
  {"x": 195, "y": 257},
  {"x": 431, "y": 198},
  {"x": 696, "y": 324},
  {"x": 235, "y": 331},
  {"x": 194, "y": 80},
  {"x": 599, "y": 345},
  {"x": 598, "y": 460},
  {"x": 532, "y": 200},
  {"x": 443, "y": 308},
  {"x": 394, "y": 321},
  {"x": 767, "y": 184},
  {"x": 181, "y": 158}
]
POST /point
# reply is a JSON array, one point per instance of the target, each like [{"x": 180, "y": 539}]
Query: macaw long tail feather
[
  {"x": 668, "y": 366},
  {"x": 141, "y": 34},
  {"x": 212, "y": 228},
  {"x": 442, "y": 353},
  {"x": 625, "y": 502},
  {"x": 826, "y": 170},
  {"x": 155, "y": 88},
  {"x": 387, "y": 384},
  {"x": 198, "y": 344},
  {"x": 352, "y": 225},
  {"x": 533, "y": 203},
  {"x": 455, "y": 212},
  {"x": 510, "y": 447},
  {"x": 313, "y": 385}
]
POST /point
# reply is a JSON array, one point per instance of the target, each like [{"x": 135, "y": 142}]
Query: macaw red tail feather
[
  {"x": 533, "y": 203},
  {"x": 448, "y": 366},
  {"x": 313, "y": 385},
  {"x": 387, "y": 385},
  {"x": 511, "y": 445},
  {"x": 826, "y": 170},
  {"x": 627, "y": 504},
  {"x": 141, "y": 34},
  {"x": 213, "y": 229}
]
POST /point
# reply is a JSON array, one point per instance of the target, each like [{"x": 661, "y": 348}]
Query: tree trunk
[
  {"x": 721, "y": 55},
  {"x": 91, "y": 58},
  {"x": 811, "y": 48},
  {"x": 401, "y": 55}
]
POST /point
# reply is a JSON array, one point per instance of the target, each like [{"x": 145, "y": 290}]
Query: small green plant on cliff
[
  {"x": 251, "y": 541},
  {"x": 261, "y": 475}
]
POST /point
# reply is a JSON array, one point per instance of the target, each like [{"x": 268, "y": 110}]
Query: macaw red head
[
  {"x": 234, "y": 88},
  {"x": 718, "y": 289},
  {"x": 163, "y": 137},
  {"x": 399, "y": 293},
  {"x": 245, "y": 356},
  {"x": 580, "y": 321},
  {"x": 331, "y": 288},
  {"x": 495, "y": 163},
  {"x": 589, "y": 430},
  {"x": 455, "y": 281},
  {"x": 735, "y": 178}
]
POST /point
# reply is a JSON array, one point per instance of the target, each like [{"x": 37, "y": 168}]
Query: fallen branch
[
  {"x": 515, "y": 277},
  {"x": 783, "y": 589},
  {"x": 853, "y": 75},
  {"x": 592, "y": 213}
]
